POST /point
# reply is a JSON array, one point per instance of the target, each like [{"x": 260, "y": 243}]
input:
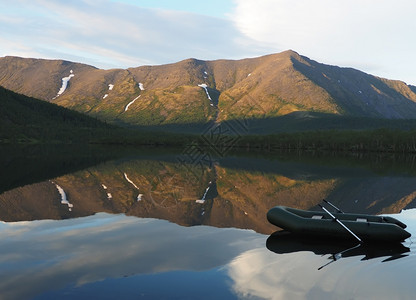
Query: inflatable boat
[{"x": 338, "y": 225}]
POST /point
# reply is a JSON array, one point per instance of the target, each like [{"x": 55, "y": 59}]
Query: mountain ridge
[{"x": 197, "y": 91}]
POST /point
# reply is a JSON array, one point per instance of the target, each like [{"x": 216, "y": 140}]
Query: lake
[{"x": 105, "y": 223}]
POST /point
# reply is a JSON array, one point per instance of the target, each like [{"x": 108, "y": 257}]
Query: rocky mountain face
[{"x": 195, "y": 91}]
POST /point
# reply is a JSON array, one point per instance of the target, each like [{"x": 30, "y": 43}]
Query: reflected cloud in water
[
  {"x": 291, "y": 276},
  {"x": 47, "y": 257},
  {"x": 38, "y": 255}
]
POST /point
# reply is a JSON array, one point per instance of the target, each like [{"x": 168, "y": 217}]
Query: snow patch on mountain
[
  {"x": 109, "y": 196},
  {"x": 65, "y": 81},
  {"x": 202, "y": 200},
  {"x": 141, "y": 87},
  {"x": 129, "y": 181},
  {"x": 110, "y": 87},
  {"x": 139, "y": 197},
  {"x": 64, "y": 199},
  {"x": 130, "y": 103},
  {"x": 204, "y": 86}
]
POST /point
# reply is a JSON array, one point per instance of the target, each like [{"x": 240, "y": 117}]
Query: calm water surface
[{"x": 152, "y": 225}]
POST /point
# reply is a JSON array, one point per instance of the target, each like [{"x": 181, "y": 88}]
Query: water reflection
[
  {"x": 232, "y": 192},
  {"x": 114, "y": 256},
  {"x": 296, "y": 276},
  {"x": 40, "y": 257},
  {"x": 295, "y": 269},
  {"x": 282, "y": 242},
  {"x": 103, "y": 233},
  {"x": 25, "y": 164}
]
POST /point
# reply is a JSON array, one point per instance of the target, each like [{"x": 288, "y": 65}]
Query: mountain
[
  {"x": 26, "y": 118},
  {"x": 193, "y": 91}
]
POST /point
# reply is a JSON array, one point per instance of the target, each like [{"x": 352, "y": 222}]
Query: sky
[{"x": 374, "y": 36}]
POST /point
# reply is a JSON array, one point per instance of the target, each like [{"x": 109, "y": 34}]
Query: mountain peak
[{"x": 290, "y": 52}]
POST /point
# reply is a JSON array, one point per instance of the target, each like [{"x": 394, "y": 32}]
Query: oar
[
  {"x": 327, "y": 202},
  {"x": 340, "y": 223},
  {"x": 338, "y": 255}
]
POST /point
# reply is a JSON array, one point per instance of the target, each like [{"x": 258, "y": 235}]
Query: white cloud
[
  {"x": 117, "y": 35},
  {"x": 374, "y": 36}
]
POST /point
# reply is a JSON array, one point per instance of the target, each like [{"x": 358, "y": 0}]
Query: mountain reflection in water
[{"x": 232, "y": 192}]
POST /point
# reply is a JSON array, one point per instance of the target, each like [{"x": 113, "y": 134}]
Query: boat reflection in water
[{"x": 282, "y": 242}]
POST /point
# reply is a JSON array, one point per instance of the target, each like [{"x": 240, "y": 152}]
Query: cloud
[
  {"x": 376, "y": 38},
  {"x": 373, "y": 36},
  {"x": 116, "y": 34}
]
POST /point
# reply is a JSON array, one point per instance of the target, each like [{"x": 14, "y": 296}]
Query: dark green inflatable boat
[{"x": 322, "y": 224}]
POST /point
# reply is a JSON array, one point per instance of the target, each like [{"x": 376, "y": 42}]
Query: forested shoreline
[
  {"x": 379, "y": 140},
  {"x": 28, "y": 120}
]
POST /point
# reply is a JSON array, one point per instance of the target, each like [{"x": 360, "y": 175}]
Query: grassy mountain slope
[
  {"x": 169, "y": 95},
  {"x": 26, "y": 118},
  {"x": 268, "y": 86},
  {"x": 38, "y": 78},
  {"x": 88, "y": 91}
]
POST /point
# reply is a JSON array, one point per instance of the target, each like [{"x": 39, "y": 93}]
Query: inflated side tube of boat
[{"x": 366, "y": 227}]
